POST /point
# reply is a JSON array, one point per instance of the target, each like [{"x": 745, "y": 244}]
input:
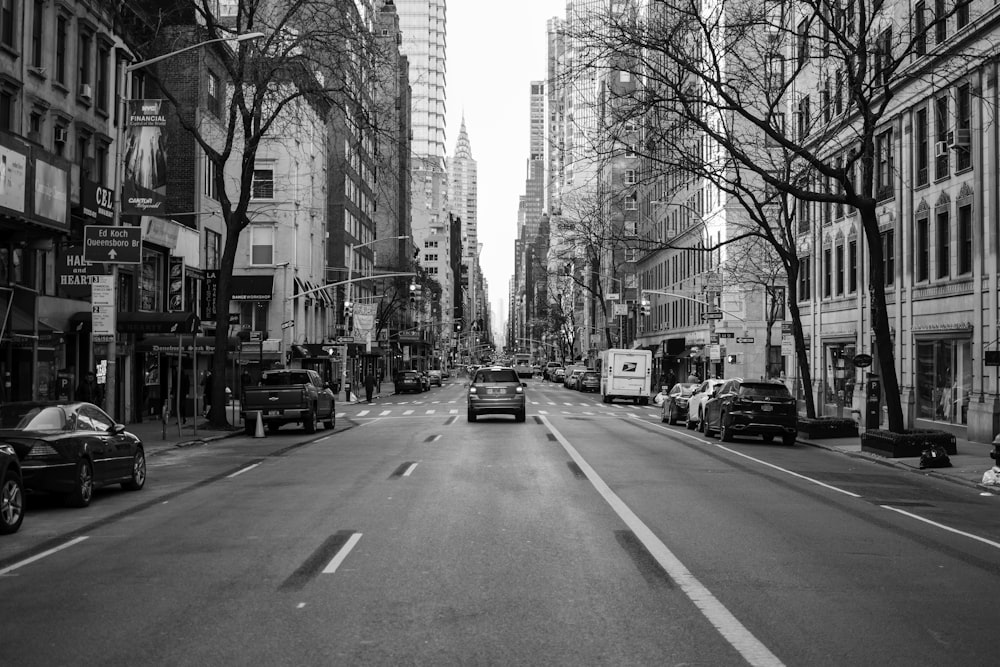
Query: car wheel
[
  {"x": 788, "y": 440},
  {"x": 330, "y": 423},
  {"x": 519, "y": 416},
  {"x": 11, "y": 503},
  {"x": 701, "y": 422},
  {"x": 727, "y": 431},
  {"x": 309, "y": 423},
  {"x": 664, "y": 419},
  {"x": 470, "y": 415},
  {"x": 84, "y": 482},
  {"x": 672, "y": 420},
  {"x": 138, "y": 478},
  {"x": 705, "y": 428},
  {"x": 691, "y": 424},
  {"x": 767, "y": 437}
]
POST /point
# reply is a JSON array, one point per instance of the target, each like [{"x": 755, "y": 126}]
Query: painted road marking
[
  {"x": 332, "y": 566},
  {"x": 734, "y": 632},
  {"x": 384, "y": 413},
  {"x": 44, "y": 554},
  {"x": 430, "y": 412},
  {"x": 407, "y": 412},
  {"x": 995, "y": 545},
  {"x": 410, "y": 468},
  {"x": 243, "y": 470},
  {"x": 363, "y": 413}
]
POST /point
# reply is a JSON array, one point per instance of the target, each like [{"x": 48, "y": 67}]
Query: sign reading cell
[{"x": 119, "y": 245}]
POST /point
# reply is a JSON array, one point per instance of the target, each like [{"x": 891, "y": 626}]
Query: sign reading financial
[
  {"x": 121, "y": 245},
  {"x": 145, "y": 186},
  {"x": 102, "y": 305}
]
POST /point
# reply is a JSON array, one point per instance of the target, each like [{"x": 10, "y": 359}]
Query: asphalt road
[{"x": 591, "y": 534}]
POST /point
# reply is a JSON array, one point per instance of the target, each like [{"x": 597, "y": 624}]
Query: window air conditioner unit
[
  {"x": 60, "y": 135},
  {"x": 962, "y": 137},
  {"x": 941, "y": 148},
  {"x": 86, "y": 90}
]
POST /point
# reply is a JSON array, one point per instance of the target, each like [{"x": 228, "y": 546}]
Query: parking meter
[{"x": 873, "y": 401}]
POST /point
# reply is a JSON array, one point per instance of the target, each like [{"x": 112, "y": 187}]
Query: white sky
[{"x": 495, "y": 51}]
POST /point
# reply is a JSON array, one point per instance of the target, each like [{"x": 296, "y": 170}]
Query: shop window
[
  {"x": 839, "y": 376},
  {"x": 944, "y": 380},
  {"x": 151, "y": 282}
]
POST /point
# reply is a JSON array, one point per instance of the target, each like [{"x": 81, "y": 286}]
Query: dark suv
[
  {"x": 496, "y": 390},
  {"x": 740, "y": 407}
]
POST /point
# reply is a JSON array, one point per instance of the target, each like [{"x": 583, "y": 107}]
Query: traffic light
[
  {"x": 348, "y": 309},
  {"x": 644, "y": 307},
  {"x": 730, "y": 358}
]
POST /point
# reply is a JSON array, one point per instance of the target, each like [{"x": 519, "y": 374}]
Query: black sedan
[
  {"x": 409, "y": 381},
  {"x": 72, "y": 448},
  {"x": 11, "y": 491}
]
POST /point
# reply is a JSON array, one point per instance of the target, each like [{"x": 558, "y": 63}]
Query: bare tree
[
  {"x": 316, "y": 55},
  {"x": 727, "y": 74}
]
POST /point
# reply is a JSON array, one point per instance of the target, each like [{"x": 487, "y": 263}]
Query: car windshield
[
  {"x": 770, "y": 390},
  {"x": 43, "y": 419},
  {"x": 498, "y": 375},
  {"x": 284, "y": 379},
  {"x": 684, "y": 389}
]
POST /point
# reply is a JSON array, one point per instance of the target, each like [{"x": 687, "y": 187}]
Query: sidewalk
[
  {"x": 967, "y": 466},
  {"x": 156, "y": 436}
]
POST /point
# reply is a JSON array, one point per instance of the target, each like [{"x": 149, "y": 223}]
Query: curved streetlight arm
[
  {"x": 237, "y": 38},
  {"x": 691, "y": 298}
]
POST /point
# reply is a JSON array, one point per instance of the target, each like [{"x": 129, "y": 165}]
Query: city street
[{"x": 591, "y": 534}]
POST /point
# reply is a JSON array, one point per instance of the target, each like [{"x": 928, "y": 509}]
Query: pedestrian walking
[
  {"x": 206, "y": 391},
  {"x": 693, "y": 378},
  {"x": 369, "y": 386},
  {"x": 89, "y": 391}
]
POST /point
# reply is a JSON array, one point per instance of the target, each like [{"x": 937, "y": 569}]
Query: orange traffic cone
[{"x": 259, "y": 433}]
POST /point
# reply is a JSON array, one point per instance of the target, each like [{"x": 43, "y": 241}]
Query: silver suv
[{"x": 496, "y": 390}]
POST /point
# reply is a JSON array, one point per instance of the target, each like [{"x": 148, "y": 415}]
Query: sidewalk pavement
[
  {"x": 967, "y": 466},
  {"x": 157, "y": 436}
]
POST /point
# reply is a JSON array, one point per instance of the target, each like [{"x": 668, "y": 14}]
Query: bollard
[{"x": 259, "y": 432}]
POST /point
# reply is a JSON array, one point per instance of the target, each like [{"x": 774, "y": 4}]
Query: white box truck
[{"x": 626, "y": 374}]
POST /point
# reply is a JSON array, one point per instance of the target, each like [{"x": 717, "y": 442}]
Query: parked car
[
  {"x": 675, "y": 405},
  {"x": 407, "y": 381},
  {"x": 11, "y": 491},
  {"x": 445, "y": 373},
  {"x": 496, "y": 390},
  {"x": 589, "y": 381},
  {"x": 766, "y": 409},
  {"x": 289, "y": 395},
  {"x": 569, "y": 381},
  {"x": 435, "y": 377},
  {"x": 550, "y": 367},
  {"x": 425, "y": 381},
  {"x": 696, "y": 404},
  {"x": 71, "y": 449},
  {"x": 559, "y": 374}
]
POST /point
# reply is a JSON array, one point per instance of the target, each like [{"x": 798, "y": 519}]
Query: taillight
[{"x": 42, "y": 451}]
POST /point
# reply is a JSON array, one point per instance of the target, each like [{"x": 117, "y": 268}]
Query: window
[
  {"x": 852, "y": 267},
  {"x": 962, "y": 13},
  {"x": 889, "y": 256},
  {"x": 103, "y": 76},
  {"x": 922, "y": 259},
  {"x": 827, "y": 272},
  {"x": 210, "y": 171},
  {"x": 804, "y": 117},
  {"x": 61, "y": 37},
  {"x": 883, "y": 57},
  {"x": 630, "y": 178},
  {"x": 803, "y": 216},
  {"x": 964, "y": 239},
  {"x": 624, "y": 77},
  {"x": 941, "y": 21},
  {"x": 261, "y": 244},
  {"x": 943, "y": 244},
  {"x": 824, "y": 101},
  {"x": 37, "y": 33},
  {"x": 84, "y": 54},
  {"x": 963, "y": 127},
  {"x": 941, "y": 147},
  {"x": 430, "y": 257},
  {"x": 213, "y": 249},
  {"x": 883, "y": 173},
  {"x": 920, "y": 28},
  {"x": 805, "y": 278},
  {"x": 838, "y": 92},
  {"x": 802, "y": 34},
  {"x": 8, "y": 17},
  {"x": 227, "y": 8},
  {"x": 840, "y": 270},
  {"x": 631, "y": 204},
  {"x": 922, "y": 148},
  {"x": 7, "y": 110},
  {"x": 102, "y": 151},
  {"x": 214, "y": 94},
  {"x": 262, "y": 186}
]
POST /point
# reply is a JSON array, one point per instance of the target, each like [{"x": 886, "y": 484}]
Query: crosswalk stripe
[
  {"x": 430, "y": 412},
  {"x": 363, "y": 413},
  {"x": 384, "y": 413},
  {"x": 407, "y": 412}
]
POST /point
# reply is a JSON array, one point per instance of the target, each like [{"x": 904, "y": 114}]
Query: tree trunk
[
  {"x": 218, "y": 417},
  {"x": 880, "y": 320},
  {"x": 800, "y": 348}
]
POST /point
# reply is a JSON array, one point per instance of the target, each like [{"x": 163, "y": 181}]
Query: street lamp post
[{"x": 111, "y": 385}]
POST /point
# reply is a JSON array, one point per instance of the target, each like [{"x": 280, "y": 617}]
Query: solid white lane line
[
  {"x": 44, "y": 554},
  {"x": 738, "y": 636},
  {"x": 243, "y": 470},
  {"x": 409, "y": 470},
  {"x": 789, "y": 472},
  {"x": 995, "y": 545},
  {"x": 332, "y": 566}
]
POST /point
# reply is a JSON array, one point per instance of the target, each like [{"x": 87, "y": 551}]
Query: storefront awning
[
  {"x": 143, "y": 322},
  {"x": 252, "y": 288}
]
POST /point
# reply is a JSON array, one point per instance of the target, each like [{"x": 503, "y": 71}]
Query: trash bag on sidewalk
[
  {"x": 935, "y": 456},
  {"x": 992, "y": 477}
]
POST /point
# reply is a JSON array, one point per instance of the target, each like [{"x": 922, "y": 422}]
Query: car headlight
[
  {"x": 519, "y": 390},
  {"x": 7, "y": 449},
  {"x": 472, "y": 390}
]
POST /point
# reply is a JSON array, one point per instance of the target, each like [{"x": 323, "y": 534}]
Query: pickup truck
[{"x": 288, "y": 396}]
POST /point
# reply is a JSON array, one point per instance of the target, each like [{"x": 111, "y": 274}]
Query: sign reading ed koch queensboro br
[{"x": 145, "y": 186}]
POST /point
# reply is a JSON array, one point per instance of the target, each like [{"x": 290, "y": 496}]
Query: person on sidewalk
[
  {"x": 369, "y": 386},
  {"x": 89, "y": 391},
  {"x": 206, "y": 392},
  {"x": 185, "y": 391}
]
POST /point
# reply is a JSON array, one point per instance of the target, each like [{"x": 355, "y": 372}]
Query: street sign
[
  {"x": 713, "y": 316},
  {"x": 744, "y": 339},
  {"x": 345, "y": 339},
  {"x": 726, "y": 334},
  {"x": 288, "y": 324},
  {"x": 102, "y": 305},
  {"x": 613, "y": 296},
  {"x": 120, "y": 245}
]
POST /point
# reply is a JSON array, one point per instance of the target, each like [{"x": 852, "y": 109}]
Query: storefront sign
[
  {"x": 175, "y": 286},
  {"x": 118, "y": 245},
  {"x": 98, "y": 202},
  {"x": 51, "y": 194},
  {"x": 13, "y": 178},
  {"x": 210, "y": 295},
  {"x": 74, "y": 274}
]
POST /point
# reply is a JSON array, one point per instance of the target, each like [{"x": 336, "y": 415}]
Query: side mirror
[{"x": 524, "y": 384}]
